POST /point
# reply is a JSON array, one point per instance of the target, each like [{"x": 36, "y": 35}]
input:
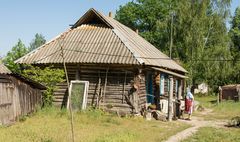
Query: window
[{"x": 78, "y": 94}]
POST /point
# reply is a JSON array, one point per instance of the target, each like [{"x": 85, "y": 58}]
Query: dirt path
[{"x": 196, "y": 122}]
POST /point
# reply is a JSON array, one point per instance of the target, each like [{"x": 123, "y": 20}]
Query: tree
[
  {"x": 16, "y": 52},
  {"x": 200, "y": 38},
  {"x": 151, "y": 18},
  {"x": 235, "y": 45},
  {"x": 37, "y": 42}
]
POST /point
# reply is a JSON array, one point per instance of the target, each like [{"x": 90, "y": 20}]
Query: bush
[{"x": 49, "y": 77}]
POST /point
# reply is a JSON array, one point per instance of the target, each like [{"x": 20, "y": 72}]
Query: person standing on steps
[{"x": 189, "y": 102}]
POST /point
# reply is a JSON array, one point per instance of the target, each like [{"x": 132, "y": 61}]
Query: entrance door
[{"x": 149, "y": 87}]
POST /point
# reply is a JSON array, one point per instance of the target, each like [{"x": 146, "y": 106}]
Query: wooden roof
[{"x": 96, "y": 38}]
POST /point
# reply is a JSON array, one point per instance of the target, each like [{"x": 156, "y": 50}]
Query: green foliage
[
  {"x": 235, "y": 45},
  {"x": 209, "y": 134},
  {"x": 49, "y": 77},
  {"x": 200, "y": 38},
  {"x": 22, "y": 118},
  {"x": 224, "y": 110},
  {"x": 37, "y": 42},
  {"x": 17, "y": 51}
]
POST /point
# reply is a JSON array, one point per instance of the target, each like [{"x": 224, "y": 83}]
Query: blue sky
[{"x": 22, "y": 19}]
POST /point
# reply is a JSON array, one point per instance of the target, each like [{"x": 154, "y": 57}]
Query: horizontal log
[
  {"x": 116, "y": 105},
  {"x": 122, "y": 112},
  {"x": 58, "y": 97}
]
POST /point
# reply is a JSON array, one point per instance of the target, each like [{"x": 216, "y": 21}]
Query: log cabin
[
  {"x": 19, "y": 96},
  {"x": 125, "y": 72}
]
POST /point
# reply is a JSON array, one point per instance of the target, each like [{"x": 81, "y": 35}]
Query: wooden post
[
  {"x": 105, "y": 85},
  {"x": 68, "y": 84},
  {"x": 125, "y": 78},
  {"x": 219, "y": 95},
  {"x": 170, "y": 100},
  {"x": 98, "y": 95},
  {"x": 77, "y": 76},
  {"x": 238, "y": 90}
]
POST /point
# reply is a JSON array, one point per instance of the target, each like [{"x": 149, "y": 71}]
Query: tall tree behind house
[
  {"x": 37, "y": 42},
  {"x": 235, "y": 45},
  {"x": 200, "y": 38},
  {"x": 16, "y": 52}
]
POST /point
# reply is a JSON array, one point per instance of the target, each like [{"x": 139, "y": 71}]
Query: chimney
[
  {"x": 136, "y": 31},
  {"x": 110, "y": 14}
]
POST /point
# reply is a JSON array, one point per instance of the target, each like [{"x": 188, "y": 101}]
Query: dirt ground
[{"x": 196, "y": 122}]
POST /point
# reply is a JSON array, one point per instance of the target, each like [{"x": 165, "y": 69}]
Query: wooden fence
[{"x": 17, "y": 98}]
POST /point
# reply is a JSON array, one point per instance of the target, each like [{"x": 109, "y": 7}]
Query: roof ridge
[
  {"x": 121, "y": 37},
  {"x": 115, "y": 31},
  {"x": 81, "y": 20},
  {"x": 140, "y": 50}
]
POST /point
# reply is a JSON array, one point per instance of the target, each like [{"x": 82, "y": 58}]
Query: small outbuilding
[
  {"x": 18, "y": 96},
  {"x": 230, "y": 92}
]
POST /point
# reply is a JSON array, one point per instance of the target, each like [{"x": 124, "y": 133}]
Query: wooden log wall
[
  {"x": 16, "y": 99},
  {"x": 112, "y": 96},
  {"x": 142, "y": 92}
]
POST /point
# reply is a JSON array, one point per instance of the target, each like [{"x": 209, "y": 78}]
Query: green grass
[
  {"x": 208, "y": 134},
  {"x": 52, "y": 125},
  {"x": 224, "y": 110}
]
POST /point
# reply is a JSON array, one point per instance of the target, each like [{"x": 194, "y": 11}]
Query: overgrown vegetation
[
  {"x": 53, "y": 125},
  {"x": 49, "y": 77},
  {"x": 17, "y": 51},
  {"x": 208, "y": 134},
  {"x": 225, "y": 110}
]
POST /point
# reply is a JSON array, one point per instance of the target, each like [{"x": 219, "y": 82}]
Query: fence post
[{"x": 170, "y": 100}]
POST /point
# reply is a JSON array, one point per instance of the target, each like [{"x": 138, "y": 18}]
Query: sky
[{"x": 22, "y": 19}]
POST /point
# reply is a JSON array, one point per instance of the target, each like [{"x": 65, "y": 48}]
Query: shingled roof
[{"x": 96, "y": 38}]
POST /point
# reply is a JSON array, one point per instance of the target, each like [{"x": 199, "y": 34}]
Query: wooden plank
[{"x": 170, "y": 100}]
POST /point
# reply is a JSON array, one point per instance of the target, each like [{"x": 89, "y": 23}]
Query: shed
[
  {"x": 230, "y": 92},
  {"x": 18, "y": 96},
  {"x": 124, "y": 71}
]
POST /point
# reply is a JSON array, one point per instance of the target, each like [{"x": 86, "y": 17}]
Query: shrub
[{"x": 49, "y": 77}]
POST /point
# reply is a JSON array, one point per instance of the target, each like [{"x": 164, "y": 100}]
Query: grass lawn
[
  {"x": 225, "y": 110},
  {"x": 208, "y": 134},
  {"x": 51, "y": 125}
]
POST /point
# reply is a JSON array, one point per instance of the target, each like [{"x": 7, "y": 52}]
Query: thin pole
[
  {"x": 171, "y": 37},
  {"x": 68, "y": 84},
  {"x": 170, "y": 100}
]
